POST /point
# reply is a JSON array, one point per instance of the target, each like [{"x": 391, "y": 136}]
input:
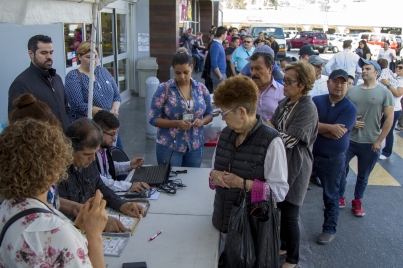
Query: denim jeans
[
  {"x": 289, "y": 231},
  {"x": 330, "y": 170},
  {"x": 199, "y": 61},
  {"x": 216, "y": 81},
  {"x": 366, "y": 160},
  {"x": 189, "y": 159},
  {"x": 387, "y": 150}
]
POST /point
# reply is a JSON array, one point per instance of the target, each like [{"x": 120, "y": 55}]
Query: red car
[{"x": 318, "y": 40}]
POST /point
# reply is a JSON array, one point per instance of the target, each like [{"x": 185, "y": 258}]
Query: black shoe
[{"x": 316, "y": 181}]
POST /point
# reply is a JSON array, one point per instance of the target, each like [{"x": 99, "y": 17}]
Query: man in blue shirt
[
  {"x": 241, "y": 55},
  {"x": 217, "y": 57},
  {"x": 337, "y": 116}
]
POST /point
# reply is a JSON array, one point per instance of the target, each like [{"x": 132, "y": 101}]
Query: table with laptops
[{"x": 188, "y": 238}]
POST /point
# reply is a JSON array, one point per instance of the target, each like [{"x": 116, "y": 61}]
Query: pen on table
[{"x": 154, "y": 236}]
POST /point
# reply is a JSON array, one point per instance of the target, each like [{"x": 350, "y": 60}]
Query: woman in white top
[
  {"x": 397, "y": 92},
  {"x": 33, "y": 156}
]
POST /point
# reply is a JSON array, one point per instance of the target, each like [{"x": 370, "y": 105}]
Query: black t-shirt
[
  {"x": 365, "y": 51},
  {"x": 228, "y": 51}
]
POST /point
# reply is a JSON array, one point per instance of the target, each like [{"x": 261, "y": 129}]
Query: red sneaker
[
  {"x": 342, "y": 202},
  {"x": 357, "y": 207}
]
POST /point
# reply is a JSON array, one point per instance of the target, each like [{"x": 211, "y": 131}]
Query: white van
[{"x": 271, "y": 29}]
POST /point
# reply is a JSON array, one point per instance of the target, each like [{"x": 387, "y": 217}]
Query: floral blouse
[
  {"x": 173, "y": 107},
  {"x": 40, "y": 239}
]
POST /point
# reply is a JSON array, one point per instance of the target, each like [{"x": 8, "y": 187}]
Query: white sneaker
[{"x": 382, "y": 157}]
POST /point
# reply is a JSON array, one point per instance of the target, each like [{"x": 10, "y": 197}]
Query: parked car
[
  {"x": 289, "y": 34},
  {"x": 318, "y": 40},
  {"x": 379, "y": 39},
  {"x": 275, "y": 30}
]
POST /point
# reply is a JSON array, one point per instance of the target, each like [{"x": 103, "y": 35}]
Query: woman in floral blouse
[
  {"x": 33, "y": 156},
  {"x": 180, "y": 108}
]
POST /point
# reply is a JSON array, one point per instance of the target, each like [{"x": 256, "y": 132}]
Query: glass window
[
  {"x": 121, "y": 33},
  {"x": 73, "y": 36},
  {"x": 122, "y": 69},
  {"x": 107, "y": 34}
]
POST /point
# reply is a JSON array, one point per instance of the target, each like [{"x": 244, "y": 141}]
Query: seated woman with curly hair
[{"x": 33, "y": 156}]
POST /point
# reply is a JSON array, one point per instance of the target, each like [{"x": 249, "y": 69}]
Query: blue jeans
[
  {"x": 199, "y": 61},
  {"x": 330, "y": 170},
  {"x": 189, "y": 159},
  {"x": 366, "y": 160},
  {"x": 387, "y": 150}
]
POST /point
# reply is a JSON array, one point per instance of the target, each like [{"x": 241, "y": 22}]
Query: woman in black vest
[
  {"x": 248, "y": 153},
  {"x": 296, "y": 119}
]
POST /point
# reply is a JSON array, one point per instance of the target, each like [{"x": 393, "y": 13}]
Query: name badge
[{"x": 188, "y": 117}]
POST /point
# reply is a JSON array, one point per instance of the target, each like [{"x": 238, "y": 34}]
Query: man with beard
[
  {"x": 337, "y": 116},
  {"x": 41, "y": 80},
  {"x": 270, "y": 91},
  {"x": 109, "y": 169}
]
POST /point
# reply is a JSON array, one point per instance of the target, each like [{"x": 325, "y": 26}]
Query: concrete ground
[{"x": 375, "y": 240}]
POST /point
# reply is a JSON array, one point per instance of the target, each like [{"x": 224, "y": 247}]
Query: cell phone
[{"x": 141, "y": 264}]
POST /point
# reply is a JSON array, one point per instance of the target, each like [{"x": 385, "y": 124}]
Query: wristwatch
[{"x": 388, "y": 86}]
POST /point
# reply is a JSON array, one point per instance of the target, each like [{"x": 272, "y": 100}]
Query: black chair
[{"x": 118, "y": 155}]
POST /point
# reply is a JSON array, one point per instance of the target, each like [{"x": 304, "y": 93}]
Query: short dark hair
[
  {"x": 106, "y": 120},
  {"x": 234, "y": 38},
  {"x": 84, "y": 133},
  {"x": 257, "y": 41},
  {"x": 268, "y": 59},
  {"x": 220, "y": 31},
  {"x": 383, "y": 63},
  {"x": 247, "y": 36},
  {"x": 271, "y": 36},
  {"x": 33, "y": 41},
  {"x": 180, "y": 58}
]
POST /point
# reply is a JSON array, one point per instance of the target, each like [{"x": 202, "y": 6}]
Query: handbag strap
[{"x": 19, "y": 216}]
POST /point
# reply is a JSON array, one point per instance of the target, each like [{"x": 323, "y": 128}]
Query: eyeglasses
[
  {"x": 224, "y": 113},
  {"x": 399, "y": 67},
  {"x": 247, "y": 42},
  {"x": 225, "y": 42},
  {"x": 111, "y": 134},
  {"x": 289, "y": 81}
]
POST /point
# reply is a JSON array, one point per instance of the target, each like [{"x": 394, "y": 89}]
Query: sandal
[{"x": 399, "y": 128}]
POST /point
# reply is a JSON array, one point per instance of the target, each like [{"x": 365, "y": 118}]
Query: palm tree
[{"x": 274, "y": 3}]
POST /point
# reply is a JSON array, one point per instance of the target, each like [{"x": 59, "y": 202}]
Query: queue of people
[{"x": 276, "y": 134}]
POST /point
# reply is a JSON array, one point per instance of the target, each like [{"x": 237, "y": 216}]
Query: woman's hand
[
  {"x": 216, "y": 178},
  {"x": 198, "y": 122},
  {"x": 132, "y": 209},
  {"x": 114, "y": 112},
  {"x": 184, "y": 125},
  {"x": 232, "y": 180}
]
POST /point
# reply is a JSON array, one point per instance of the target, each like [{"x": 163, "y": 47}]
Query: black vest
[{"x": 245, "y": 161}]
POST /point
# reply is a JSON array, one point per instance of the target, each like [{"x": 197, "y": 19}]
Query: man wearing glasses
[
  {"x": 320, "y": 86},
  {"x": 241, "y": 55},
  {"x": 109, "y": 169}
]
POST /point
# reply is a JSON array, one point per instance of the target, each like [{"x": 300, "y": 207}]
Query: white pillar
[
  {"x": 341, "y": 29},
  {"x": 307, "y": 27},
  {"x": 377, "y": 29}
]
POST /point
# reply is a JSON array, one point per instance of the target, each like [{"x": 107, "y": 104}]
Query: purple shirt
[{"x": 268, "y": 99}]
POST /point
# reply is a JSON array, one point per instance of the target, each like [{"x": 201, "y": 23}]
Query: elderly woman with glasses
[
  {"x": 396, "y": 88},
  {"x": 249, "y": 154},
  {"x": 296, "y": 119}
]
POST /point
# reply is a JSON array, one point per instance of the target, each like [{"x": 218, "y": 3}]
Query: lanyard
[
  {"x": 183, "y": 97},
  {"x": 103, "y": 160}
]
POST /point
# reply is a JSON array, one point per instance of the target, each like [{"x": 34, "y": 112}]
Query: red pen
[{"x": 154, "y": 236}]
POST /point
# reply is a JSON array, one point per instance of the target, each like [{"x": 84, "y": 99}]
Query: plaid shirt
[{"x": 82, "y": 184}]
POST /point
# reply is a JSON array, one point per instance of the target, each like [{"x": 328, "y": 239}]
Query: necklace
[
  {"x": 333, "y": 104},
  {"x": 186, "y": 101}
]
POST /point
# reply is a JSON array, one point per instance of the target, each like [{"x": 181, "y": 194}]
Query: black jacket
[
  {"x": 82, "y": 184},
  {"x": 46, "y": 86},
  {"x": 246, "y": 161}
]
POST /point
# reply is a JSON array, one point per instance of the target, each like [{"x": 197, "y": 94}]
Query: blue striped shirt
[{"x": 105, "y": 92}]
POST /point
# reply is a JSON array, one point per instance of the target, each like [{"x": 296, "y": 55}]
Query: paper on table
[{"x": 155, "y": 195}]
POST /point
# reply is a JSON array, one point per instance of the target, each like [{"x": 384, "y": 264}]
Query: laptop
[{"x": 153, "y": 175}]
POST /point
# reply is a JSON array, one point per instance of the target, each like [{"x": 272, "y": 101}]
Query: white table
[{"x": 188, "y": 239}]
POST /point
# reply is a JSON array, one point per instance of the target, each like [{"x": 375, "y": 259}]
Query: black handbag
[{"x": 239, "y": 245}]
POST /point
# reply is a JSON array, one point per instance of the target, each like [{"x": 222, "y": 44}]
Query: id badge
[{"x": 188, "y": 117}]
